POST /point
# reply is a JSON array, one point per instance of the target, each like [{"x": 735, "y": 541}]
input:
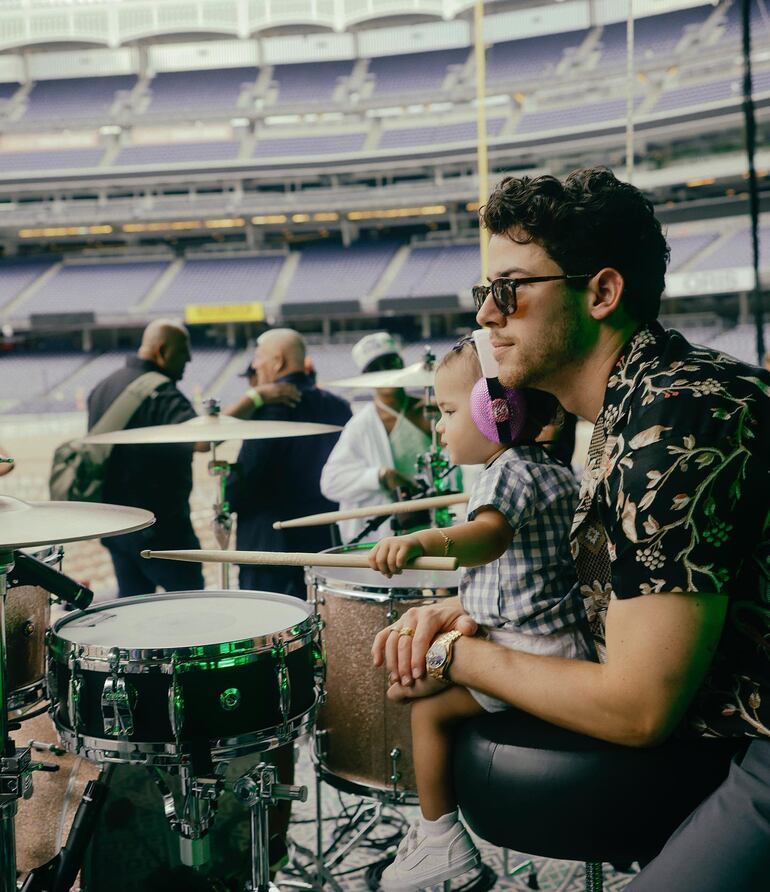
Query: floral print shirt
[{"x": 676, "y": 498}]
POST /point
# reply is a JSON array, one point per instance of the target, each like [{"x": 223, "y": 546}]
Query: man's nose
[{"x": 488, "y": 315}]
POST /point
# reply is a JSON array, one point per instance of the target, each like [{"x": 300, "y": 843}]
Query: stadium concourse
[{"x": 313, "y": 164}]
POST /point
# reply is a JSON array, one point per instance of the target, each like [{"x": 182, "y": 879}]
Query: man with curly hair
[{"x": 671, "y": 538}]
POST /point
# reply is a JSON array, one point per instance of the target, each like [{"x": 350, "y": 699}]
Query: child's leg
[{"x": 433, "y": 721}]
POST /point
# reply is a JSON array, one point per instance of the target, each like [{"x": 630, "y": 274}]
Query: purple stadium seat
[
  {"x": 413, "y": 72},
  {"x": 61, "y": 159},
  {"x": 517, "y": 61},
  {"x": 75, "y": 97},
  {"x": 323, "y": 144},
  {"x": 221, "y": 280},
  {"x": 440, "y": 134},
  {"x": 16, "y": 275},
  {"x": 685, "y": 247},
  {"x": 307, "y": 82},
  {"x": 178, "y": 153},
  {"x": 191, "y": 91},
  {"x": 105, "y": 288},
  {"x": 654, "y": 36}
]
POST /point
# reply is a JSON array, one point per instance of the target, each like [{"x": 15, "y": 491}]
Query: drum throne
[{"x": 529, "y": 786}]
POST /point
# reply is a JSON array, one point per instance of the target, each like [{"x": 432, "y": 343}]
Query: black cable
[{"x": 750, "y": 125}]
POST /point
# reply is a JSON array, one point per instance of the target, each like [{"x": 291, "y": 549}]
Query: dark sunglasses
[{"x": 504, "y": 290}]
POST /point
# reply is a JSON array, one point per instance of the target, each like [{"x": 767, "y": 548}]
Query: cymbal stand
[
  {"x": 223, "y": 519},
  {"x": 434, "y": 465},
  {"x": 258, "y": 789},
  {"x": 15, "y": 764}
]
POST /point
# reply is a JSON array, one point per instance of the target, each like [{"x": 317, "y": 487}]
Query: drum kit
[{"x": 183, "y": 683}]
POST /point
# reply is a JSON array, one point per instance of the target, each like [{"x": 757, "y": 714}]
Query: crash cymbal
[
  {"x": 213, "y": 429},
  {"x": 415, "y": 375},
  {"x": 23, "y": 524}
]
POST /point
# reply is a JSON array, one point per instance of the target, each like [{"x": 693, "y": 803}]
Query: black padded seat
[{"x": 527, "y": 785}]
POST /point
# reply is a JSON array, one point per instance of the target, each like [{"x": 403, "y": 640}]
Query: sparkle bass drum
[
  {"x": 158, "y": 679},
  {"x": 364, "y": 742},
  {"x": 27, "y": 615}
]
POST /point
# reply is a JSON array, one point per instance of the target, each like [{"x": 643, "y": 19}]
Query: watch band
[{"x": 445, "y": 641}]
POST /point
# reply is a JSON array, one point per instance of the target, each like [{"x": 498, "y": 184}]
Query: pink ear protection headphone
[{"x": 500, "y": 413}]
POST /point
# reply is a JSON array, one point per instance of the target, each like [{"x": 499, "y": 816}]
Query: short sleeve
[{"x": 681, "y": 512}]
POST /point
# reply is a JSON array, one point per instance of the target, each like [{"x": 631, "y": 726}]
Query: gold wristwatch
[{"x": 439, "y": 655}]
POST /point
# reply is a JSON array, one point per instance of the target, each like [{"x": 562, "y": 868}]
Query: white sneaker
[{"x": 423, "y": 861}]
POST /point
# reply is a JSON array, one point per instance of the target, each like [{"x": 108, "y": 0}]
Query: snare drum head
[
  {"x": 183, "y": 619},
  {"x": 406, "y": 584}
]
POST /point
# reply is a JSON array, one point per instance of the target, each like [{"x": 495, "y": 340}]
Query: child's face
[{"x": 464, "y": 441}]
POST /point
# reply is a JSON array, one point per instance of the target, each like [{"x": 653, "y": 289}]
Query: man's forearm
[{"x": 574, "y": 694}]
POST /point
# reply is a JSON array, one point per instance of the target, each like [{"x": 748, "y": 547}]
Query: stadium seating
[
  {"x": 413, "y": 72},
  {"x": 75, "y": 97},
  {"x": 439, "y": 134},
  {"x": 740, "y": 341},
  {"x": 685, "y": 247},
  {"x": 178, "y": 153},
  {"x": 15, "y": 276},
  {"x": 48, "y": 160},
  {"x": 8, "y": 90},
  {"x": 106, "y": 288},
  {"x": 760, "y": 21},
  {"x": 309, "y": 82},
  {"x": 518, "y": 61},
  {"x": 26, "y": 376},
  {"x": 431, "y": 277},
  {"x": 322, "y": 144},
  {"x": 572, "y": 116},
  {"x": 735, "y": 251},
  {"x": 195, "y": 91},
  {"x": 654, "y": 36},
  {"x": 220, "y": 280},
  {"x": 336, "y": 279}
]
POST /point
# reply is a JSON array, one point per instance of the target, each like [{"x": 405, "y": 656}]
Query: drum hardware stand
[
  {"x": 200, "y": 796},
  {"x": 223, "y": 519},
  {"x": 258, "y": 789},
  {"x": 60, "y": 873},
  {"x": 15, "y": 764}
]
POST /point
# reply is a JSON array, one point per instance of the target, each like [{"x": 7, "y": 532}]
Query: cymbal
[
  {"x": 415, "y": 375},
  {"x": 23, "y": 524},
  {"x": 213, "y": 429}
]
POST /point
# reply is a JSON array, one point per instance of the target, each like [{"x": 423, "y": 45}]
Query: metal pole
[
  {"x": 750, "y": 126},
  {"x": 482, "y": 155},
  {"x": 630, "y": 91},
  {"x": 7, "y": 750}
]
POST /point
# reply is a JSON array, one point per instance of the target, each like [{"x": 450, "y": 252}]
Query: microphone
[{"x": 29, "y": 570}]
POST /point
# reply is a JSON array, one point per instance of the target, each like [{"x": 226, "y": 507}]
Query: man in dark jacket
[
  {"x": 280, "y": 479},
  {"x": 157, "y": 477}
]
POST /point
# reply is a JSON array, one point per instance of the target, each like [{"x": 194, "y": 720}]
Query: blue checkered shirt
[{"x": 532, "y": 587}]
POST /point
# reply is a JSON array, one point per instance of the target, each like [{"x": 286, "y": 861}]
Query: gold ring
[{"x": 405, "y": 630}]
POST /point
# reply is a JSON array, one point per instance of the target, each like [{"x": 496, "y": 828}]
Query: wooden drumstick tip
[{"x": 146, "y": 553}]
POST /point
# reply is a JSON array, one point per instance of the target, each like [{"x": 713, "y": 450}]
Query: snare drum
[
  {"x": 27, "y": 614},
  {"x": 152, "y": 679},
  {"x": 364, "y": 740}
]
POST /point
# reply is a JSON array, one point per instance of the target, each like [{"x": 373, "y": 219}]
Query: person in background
[
  {"x": 279, "y": 479},
  {"x": 375, "y": 458},
  {"x": 155, "y": 477}
]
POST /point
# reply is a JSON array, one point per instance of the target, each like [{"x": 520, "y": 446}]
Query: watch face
[{"x": 436, "y": 656}]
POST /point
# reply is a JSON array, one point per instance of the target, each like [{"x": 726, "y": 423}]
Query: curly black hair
[{"x": 590, "y": 221}]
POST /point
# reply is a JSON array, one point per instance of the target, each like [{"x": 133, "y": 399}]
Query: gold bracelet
[{"x": 448, "y": 543}]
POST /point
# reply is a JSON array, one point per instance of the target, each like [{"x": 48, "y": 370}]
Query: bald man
[
  {"x": 158, "y": 478},
  {"x": 279, "y": 479}
]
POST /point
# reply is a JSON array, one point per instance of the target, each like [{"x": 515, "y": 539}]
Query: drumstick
[
  {"x": 293, "y": 559},
  {"x": 317, "y": 520}
]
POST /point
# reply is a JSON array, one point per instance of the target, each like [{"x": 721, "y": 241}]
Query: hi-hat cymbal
[
  {"x": 213, "y": 429},
  {"x": 415, "y": 375},
  {"x": 23, "y": 524}
]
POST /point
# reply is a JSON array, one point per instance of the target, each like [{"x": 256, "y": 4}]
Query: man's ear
[{"x": 605, "y": 292}]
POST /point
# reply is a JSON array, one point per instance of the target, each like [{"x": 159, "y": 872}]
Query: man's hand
[
  {"x": 390, "y": 555},
  {"x": 393, "y": 480},
  {"x": 279, "y": 393},
  {"x": 403, "y": 655},
  {"x": 422, "y": 687}
]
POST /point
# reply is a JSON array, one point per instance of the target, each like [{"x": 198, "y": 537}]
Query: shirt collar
[{"x": 640, "y": 355}]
